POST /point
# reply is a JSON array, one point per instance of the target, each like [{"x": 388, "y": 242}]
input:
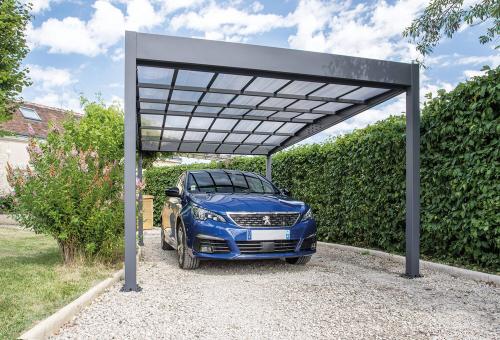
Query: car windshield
[{"x": 228, "y": 182}]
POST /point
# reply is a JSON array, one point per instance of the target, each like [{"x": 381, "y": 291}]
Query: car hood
[{"x": 222, "y": 203}]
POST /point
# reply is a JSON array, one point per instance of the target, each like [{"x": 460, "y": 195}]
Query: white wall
[{"x": 12, "y": 150}]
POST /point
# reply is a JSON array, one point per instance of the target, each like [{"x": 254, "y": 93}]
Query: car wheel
[
  {"x": 186, "y": 261},
  {"x": 298, "y": 260},
  {"x": 164, "y": 244}
]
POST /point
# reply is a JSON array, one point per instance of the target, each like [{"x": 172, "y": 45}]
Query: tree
[
  {"x": 14, "y": 16},
  {"x": 446, "y": 17},
  {"x": 72, "y": 188}
]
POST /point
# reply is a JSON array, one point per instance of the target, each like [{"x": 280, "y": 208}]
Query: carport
[{"x": 200, "y": 96}]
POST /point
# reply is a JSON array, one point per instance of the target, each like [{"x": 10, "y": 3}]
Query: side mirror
[
  {"x": 172, "y": 192},
  {"x": 285, "y": 192}
]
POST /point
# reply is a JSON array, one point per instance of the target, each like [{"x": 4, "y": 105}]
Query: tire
[
  {"x": 186, "y": 261},
  {"x": 298, "y": 260},
  {"x": 164, "y": 244}
]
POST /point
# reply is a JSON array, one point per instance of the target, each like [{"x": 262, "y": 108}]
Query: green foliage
[
  {"x": 14, "y": 16},
  {"x": 356, "y": 183},
  {"x": 446, "y": 17},
  {"x": 72, "y": 189},
  {"x": 6, "y": 203}
]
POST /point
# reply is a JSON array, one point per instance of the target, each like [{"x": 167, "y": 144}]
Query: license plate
[{"x": 268, "y": 235}]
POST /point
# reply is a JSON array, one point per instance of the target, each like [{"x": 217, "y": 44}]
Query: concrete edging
[
  {"x": 54, "y": 322},
  {"x": 455, "y": 271}
]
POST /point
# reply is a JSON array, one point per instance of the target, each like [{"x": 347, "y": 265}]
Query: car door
[{"x": 173, "y": 206}]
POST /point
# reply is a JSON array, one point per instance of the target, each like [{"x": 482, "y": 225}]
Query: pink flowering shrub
[{"x": 72, "y": 188}]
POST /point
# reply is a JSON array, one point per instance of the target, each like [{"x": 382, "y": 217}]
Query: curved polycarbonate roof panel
[{"x": 214, "y": 111}]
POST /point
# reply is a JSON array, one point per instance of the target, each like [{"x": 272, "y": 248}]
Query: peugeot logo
[{"x": 266, "y": 220}]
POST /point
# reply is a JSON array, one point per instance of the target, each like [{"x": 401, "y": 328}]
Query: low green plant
[
  {"x": 6, "y": 203},
  {"x": 72, "y": 187}
]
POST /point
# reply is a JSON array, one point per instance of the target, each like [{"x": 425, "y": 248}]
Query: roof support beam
[
  {"x": 130, "y": 149},
  {"x": 413, "y": 176}
]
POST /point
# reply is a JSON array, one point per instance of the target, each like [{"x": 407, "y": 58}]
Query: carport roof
[{"x": 204, "y": 96}]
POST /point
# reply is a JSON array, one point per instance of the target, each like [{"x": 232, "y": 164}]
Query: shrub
[
  {"x": 6, "y": 203},
  {"x": 72, "y": 188},
  {"x": 356, "y": 183}
]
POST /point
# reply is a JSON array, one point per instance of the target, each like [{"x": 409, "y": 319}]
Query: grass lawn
[{"x": 33, "y": 281}]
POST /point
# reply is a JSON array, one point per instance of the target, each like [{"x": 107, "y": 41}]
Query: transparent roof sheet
[
  {"x": 246, "y": 125},
  {"x": 176, "y": 121},
  {"x": 217, "y": 98},
  {"x": 152, "y": 106},
  {"x": 230, "y": 81},
  {"x": 208, "y": 109},
  {"x": 152, "y": 120},
  {"x": 187, "y": 96},
  {"x": 278, "y": 103},
  {"x": 364, "y": 93},
  {"x": 234, "y": 111},
  {"x": 299, "y": 87},
  {"x": 215, "y": 137},
  {"x": 193, "y": 78},
  {"x": 154, "y": 75},
  {"x": 248, "y": 100},
  {"x": 194, "y": 135},
  {"x": 236, "y": 137},
  {"x": 268, "y": 126},
  {"x": 180, "y": 108},
  {"x": 305, "y": 104},
  {"x": 200, "y": 122},
  {"x": 151, "y": 133},
  {"x": 188, "y": 147},
  {"x": 211, "y": 112},
  {"x": 224, "y": 124},
  {"x": 173, "y": 135},
  {"x": 332, "y": 91},
  {"x": 331, "y": 107},
  {"x": 149, "y": 93},
  {"x": 268, "y": 85}
]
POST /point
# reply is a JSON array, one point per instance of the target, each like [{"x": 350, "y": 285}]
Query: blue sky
[{"x": 77, "y": 45}]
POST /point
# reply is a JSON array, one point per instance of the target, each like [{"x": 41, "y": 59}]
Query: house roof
[{"x": 19, "y": 125}]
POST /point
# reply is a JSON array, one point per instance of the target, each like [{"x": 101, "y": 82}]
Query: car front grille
[
  {"x": 264, "y": 219},
  {"x": 218, "y": 246},
  {"x": 276, "y": 246}
]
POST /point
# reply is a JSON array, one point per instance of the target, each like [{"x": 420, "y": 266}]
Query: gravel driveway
[{"x": 339, "y": 294}]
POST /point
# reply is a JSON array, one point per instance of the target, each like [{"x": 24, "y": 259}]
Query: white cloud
[
  {"x": 228, "y": 22},
  {"x": 72, "y": 35},
  {"x": 63, "y": 100},
  {"x": 472, "y": 73},
  {"x": 118, "y": 54},
  {"x": 364, "y": 30},
  {"x": 492, "y": 60},
  {"x": 48, "y": 78},
  {"x": 38, "y": 6},
  {"x": 105, "y": 27}
]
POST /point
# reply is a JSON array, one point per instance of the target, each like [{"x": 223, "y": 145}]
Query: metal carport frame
[{"x": 201, "y": 96}]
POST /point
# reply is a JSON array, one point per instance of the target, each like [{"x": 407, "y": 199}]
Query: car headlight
[
  {"x": 201, "y": 214},
  {"x": 308, "y": 215}
]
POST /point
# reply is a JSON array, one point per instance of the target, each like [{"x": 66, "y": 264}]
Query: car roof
[{"x": 229, "y": 171}]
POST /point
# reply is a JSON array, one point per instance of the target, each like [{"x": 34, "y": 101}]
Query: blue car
[{"x": 234, "y": 215}]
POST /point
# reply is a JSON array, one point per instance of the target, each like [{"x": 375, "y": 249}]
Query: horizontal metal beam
[
  {"x": 234, "y": 106},
  {"x": 262, "y": 60},
  {"x": 252, "y": 93},
  {"x": 240, "y": 132},
  {"x": 239, "y": 117}
]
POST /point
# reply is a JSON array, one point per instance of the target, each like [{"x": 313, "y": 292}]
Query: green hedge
[{"x": 356, "y": 183}]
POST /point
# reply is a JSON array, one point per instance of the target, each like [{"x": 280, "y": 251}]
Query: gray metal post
[
  {"x": 139, "y": 203},
  {"x": 269, "y": 167},
  {"x": 413, "y": 175},
  {"x": 130, "y": 149}
]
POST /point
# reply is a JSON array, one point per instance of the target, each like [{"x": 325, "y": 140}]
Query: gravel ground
[{"x": 338, "y": 294}]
